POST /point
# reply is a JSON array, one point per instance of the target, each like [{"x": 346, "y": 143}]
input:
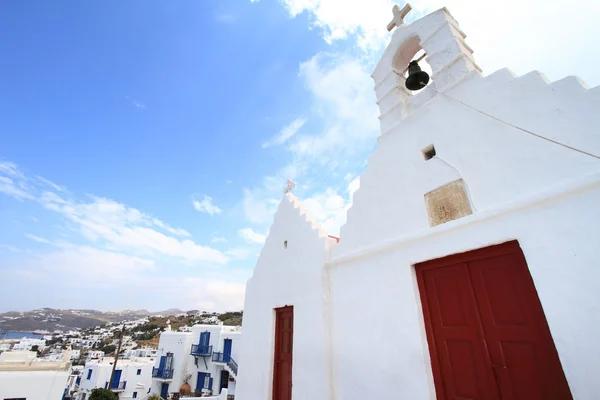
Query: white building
[
  {"x": 94, "y": 355},
  {"x": 23, "y": 376},
  {"x": 206, "y": 356},
  {"x": 468, "y": 265},
  {"x": 132, "y": 378},
  {"x": 27, "y": 343},
  {"x": 145, "y": 352}
]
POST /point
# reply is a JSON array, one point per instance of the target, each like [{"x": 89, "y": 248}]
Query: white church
[{"x": 469, "y": 265}]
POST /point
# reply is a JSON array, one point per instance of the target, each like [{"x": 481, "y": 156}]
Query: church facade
[{"x": 468, "y": 265}]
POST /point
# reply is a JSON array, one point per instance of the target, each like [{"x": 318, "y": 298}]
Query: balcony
[
  {"x": 165, "y": 374},
  {"x": 199, "y": 350},
  {"x": 117, "y": 386},
  {"x": 221, "y": 357}
]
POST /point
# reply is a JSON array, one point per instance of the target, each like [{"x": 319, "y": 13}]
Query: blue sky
[{"x": 144, "y": 146}]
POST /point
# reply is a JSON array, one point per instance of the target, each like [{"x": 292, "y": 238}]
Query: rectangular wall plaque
[{"x": 447, "y": 203}]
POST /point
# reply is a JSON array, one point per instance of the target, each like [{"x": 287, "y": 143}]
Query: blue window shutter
[
  {"x": 210, "y": 383},
  {"x": 201, "y": 380},
  {"x": 89, "y": 374},
  {"x": 135, "y": 395},
  {"x": 139, "y": 371},
  {"x": 163, "y": 360}
]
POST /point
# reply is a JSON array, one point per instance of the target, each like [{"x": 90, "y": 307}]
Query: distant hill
[{"x": 52, "y": 319}]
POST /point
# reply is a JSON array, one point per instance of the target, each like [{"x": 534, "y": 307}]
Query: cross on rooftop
[
  {"x": 290, "y": 185},
  {"x": 399, "y": 15}
]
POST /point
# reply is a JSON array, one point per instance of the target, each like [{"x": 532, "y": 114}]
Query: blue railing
[
  {"x": 119, "y": 385},
  {"x": 162, "y": 373},
  {"x": 201, "y": 350},
  {"x": 233, "y": 365},
  {"x": 221, "y": 357}
]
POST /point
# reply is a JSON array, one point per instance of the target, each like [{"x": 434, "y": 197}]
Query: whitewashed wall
[
  {"x": 521, "y": 187},
  {"x": 38, "y": 385},
  {"x": 287, "y": 276}
]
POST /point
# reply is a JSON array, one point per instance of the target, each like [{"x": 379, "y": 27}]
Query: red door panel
[
  {"x": 284, "y": 335},
  {"x": 518, "y": 338},
  {"x": 486, "y": 329},
  {"x": 456, "y": 335}
]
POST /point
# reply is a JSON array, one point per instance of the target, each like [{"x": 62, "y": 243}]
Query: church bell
[{"x": 417, "y": 79}]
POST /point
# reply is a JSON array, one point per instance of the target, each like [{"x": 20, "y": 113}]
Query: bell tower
[{"x": 450, "y": 58}]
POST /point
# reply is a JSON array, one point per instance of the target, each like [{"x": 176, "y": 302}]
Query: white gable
[{"x": 289, "y": 271}]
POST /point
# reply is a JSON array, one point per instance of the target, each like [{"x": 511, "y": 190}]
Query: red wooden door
[
  {"x": 487, "y": 333},
  {"x": 284, "y": 337}
]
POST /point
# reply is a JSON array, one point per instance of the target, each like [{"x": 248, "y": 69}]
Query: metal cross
[{"x": 399, "y": 15}]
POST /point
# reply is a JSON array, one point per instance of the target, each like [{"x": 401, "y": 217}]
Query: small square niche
[{"x": 428, "y": 152}]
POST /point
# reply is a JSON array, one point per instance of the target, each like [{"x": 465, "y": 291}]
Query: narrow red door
[
  {"x": 284, "y": 336},
  {"x": 487, "y": 333}
]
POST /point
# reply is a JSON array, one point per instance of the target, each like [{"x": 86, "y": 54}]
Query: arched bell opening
[{"x": 411, "y": 59}]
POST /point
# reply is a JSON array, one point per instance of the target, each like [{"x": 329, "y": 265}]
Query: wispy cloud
[
  {"x": 286, "y": 133},
  {"x": 250, "y": 236},
  {"x": 135, "y": 103},
  {"x": 37, "y": 238},
  {"x": 110, "y": 224},
  {"x": 218, "y": 239},
  {"x": 206, "y": 206},
  {"x": 226, "y": 18}
]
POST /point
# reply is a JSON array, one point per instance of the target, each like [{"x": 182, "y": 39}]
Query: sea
[{"x": 20, "y": 335}]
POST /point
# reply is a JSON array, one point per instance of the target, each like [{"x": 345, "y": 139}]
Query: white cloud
[
  {"x": 258, "y": 208},
  {"x": 286, "y": 133},
  {"x": 250, "y": 236},
  {"x": 330, "y": 208},
  {"x": 343, "y": 97},
  {"x": 239, "y": 253},
  {"x": 135, "y": 103},
  {"x": 51, "y": 184},
  {"x": 340, "y": 19},
  {"x": 113, "y": 225},
  {"x": 218, "y": 239},
  {"x": 37, "y": 238},
  {"x": 206, "y": 206}
]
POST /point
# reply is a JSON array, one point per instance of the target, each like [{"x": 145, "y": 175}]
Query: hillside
[{"x": 55, "y": 319}]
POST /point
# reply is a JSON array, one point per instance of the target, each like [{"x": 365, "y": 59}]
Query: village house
[
  {"x": 24, "y": 376},
  {"x": 203, "y": 361},
  {"x": 131, "y": 380},
  {"x": 468, "y": 264}
]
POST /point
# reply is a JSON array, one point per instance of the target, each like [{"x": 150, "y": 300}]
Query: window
[
  {"x": 428, "y": 152},
  {"x": 135, "y": 395},
  {"x": 89, "y": 374},
  {"x": 139, "y": 371}
]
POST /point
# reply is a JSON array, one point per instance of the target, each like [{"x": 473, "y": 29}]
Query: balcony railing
[
  {"x": 233, "y": 365},
  {"x": 162, "y": 373},
  {"x": 221, "y": 357},
  {"x": 201, "y": 350},
  {"x": 117, "y": 386}
]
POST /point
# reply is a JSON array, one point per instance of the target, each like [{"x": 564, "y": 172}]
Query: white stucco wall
[
  {"x": 507, "y": 138},
  {"x": 287, "y": 276},
  {"x": 521, "y": 187},
  {"x": 33, "y": 385}
]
